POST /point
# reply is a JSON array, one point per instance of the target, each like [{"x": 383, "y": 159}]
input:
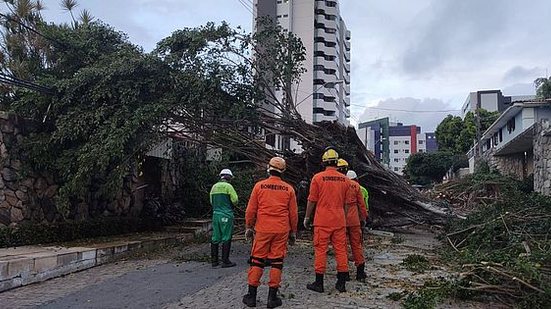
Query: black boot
[
  {"x": 226, "y": 248},
  {"x": 214, "y": 255},
  {"x": 250, "y": 298},
  {"x": 317, "y": 286},
  {"x": 347, "y": 277},
  {"x": 273, "y": 300},
  {"x": 341, "y": 282},
  {"x": 360, "y": 273}
]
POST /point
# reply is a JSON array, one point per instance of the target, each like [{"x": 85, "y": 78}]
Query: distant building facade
[
  {"x": 393, "y": 143},
  {"x": 490, "y": 100}
]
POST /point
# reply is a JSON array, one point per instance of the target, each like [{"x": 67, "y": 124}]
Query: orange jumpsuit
[
  {"x": 356, "y": 212},
  {"x": 328, "y": 190},
  {"x": 272, "y": 211}
]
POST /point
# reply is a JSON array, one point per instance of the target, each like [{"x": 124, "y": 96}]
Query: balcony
[
  {"x": 346, "y": 101},
  {"x": 347, "y": 35},
  {"x": 328, "y": 106},
  {"x": 328, "y": 51},
  {"x": 347, "y": 55},
  {"x": 327, "y": 23},
  {"x": 347, "y": 45},
  {"x": 328, "y": 92},
  {"x": 326, "y": 63},
  {"x": 320, "y": 32},
  {"x": 329, "y": 10},
  {"x": 347, "y": 67},
  {"x": 322, "y": 117},
  {"x": 347, "y": 89},
  {"x": 346, "y": 79}
]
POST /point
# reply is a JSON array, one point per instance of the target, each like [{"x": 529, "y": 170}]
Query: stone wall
[
  {"x": 517, "y": 165},
  {"x": 28, "y": 196},
  {"x": 542, "y": 158}
]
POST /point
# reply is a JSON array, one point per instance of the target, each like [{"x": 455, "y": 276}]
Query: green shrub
[{"x": 32, "y": 233}]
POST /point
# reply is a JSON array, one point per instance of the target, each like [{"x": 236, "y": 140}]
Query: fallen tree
[{"x": 240, "y": 109}]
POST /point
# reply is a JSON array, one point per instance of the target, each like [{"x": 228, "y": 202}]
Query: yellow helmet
[
  {"x": 277, "y": 164},
  {"x": 342, "y": 163},
  {"x": 330, "y": 155}
]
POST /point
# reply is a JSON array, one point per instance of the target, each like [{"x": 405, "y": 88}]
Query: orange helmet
[{"x": 277, "y": 164}]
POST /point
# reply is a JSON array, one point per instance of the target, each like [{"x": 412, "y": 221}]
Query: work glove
[
  {"x": 292, "y": 238},
  {"x": 249, "y": 233},
  {"x": 307, "y": 224}
]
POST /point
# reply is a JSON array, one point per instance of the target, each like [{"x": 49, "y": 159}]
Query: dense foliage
[
  {"x": 111, "y": 102},
  {"x": 457, "y": 135},
  {"x": 543, "y": 87},
  {"x": 426, "y": 168}
]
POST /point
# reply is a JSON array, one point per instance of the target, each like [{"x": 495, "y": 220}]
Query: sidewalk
[{"x": 30, "y": 264}]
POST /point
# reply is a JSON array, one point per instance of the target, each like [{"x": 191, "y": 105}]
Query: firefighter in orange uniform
[
  {"x": 356, "y": 217},
  {"x": 327, "y": 197},
  {"x": 272, "y": 217}
]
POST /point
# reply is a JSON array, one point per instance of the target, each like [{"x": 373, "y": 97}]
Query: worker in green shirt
[
  {"x": 222, "y": 198},
  {"x": 352, "y": 175}
]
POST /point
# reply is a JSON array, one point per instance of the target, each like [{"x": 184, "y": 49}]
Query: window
[
  {"x": 511, "y": 125},
  {"x": 319, "y": 68},
  {"x": 395, "y": 150},
  {"x": 285, "y": 15},
  {"x": 396, "y": 160},
  {"x": 500, "y": 135},
  {"x": 395, "y": 169},
  {"x": 406, "y": 151},
  {"x": 406, "y": 142},
  {"x": 421, "y": 150},
  {"x": 421, "y": 142},
  {"x": 396, "y": 142}
]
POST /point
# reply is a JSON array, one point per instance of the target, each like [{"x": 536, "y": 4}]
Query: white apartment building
[{"x": 323, "y": 93}]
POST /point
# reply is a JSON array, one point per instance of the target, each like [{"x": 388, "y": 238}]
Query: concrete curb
[{"x": 30, "y": 264}]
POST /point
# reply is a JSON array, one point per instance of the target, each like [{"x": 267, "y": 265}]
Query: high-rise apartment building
[
  {"x": 323, "y": 93},
  {"x": 393, "y": 143}
]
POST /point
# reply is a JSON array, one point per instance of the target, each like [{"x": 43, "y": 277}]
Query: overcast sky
[{"x": 423, "y": 55}]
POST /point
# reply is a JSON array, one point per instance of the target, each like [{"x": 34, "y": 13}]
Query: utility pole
[{"x": 478, "y": 151}]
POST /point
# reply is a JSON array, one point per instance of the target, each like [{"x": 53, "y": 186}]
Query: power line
[
  {"x": 7, "y": 17},
  {"x": 12, "y": 80},
  {"x": 246, "y": 6},
  {"x": 408, "y": 111}
]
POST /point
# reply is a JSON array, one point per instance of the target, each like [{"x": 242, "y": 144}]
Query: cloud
[
  {"x": 412, "y": 111},
  {"x": 520, "y": 73},
  {"x": 455, "y": 28},
  {"x": 520, "y": 89}
]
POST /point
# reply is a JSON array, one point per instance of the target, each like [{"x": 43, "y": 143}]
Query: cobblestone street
[{"x": 181, "y": 278}]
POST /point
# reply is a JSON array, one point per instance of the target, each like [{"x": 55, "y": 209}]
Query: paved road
[
  {"x": 165, "y": 281},
  {"x": 133, "y": 283}
]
